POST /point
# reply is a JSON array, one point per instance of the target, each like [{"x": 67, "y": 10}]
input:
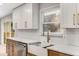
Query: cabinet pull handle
[
  {"x": 73, "y": 19},
  {"x": 78, "y": 19}
]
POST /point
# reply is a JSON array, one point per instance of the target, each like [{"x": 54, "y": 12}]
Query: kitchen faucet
[
  {"x": 51, "y": 28},
  {"x": 48, "y": 36}
]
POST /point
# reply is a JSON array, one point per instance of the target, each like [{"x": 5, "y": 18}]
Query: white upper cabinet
[
  {"x": 77, "y": 15},
  {"x": 68, "y": 15},
  {"x": 26, "y": 16},
  {"x": 17, "y": 18}
]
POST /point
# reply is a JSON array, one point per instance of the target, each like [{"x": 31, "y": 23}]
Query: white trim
[
  {"x": 44, "y": 9},
  {"x": 52, "y": 12},
  {"x": 56, "y": 34}
]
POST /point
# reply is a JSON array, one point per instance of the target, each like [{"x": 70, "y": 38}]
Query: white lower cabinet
[
  {"x": 26, "y": 16},
  {"x": 36, "y": 50}
]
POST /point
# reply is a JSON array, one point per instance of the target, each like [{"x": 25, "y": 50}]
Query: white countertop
[
  {"x": 23, "y": 40},
  {"x": 68, "y": 49}
]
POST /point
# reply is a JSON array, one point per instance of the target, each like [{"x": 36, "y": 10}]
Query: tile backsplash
[
  {"x": 34, "y": 35},
  {"x": 72, "y": 36}
]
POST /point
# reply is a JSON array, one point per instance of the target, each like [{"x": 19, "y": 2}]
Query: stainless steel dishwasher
[{"x": 21, "y": 49}]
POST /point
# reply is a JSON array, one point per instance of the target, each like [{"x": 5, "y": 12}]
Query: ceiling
[{"x": 6, "y": 8}]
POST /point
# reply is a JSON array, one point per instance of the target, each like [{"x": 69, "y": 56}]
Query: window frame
[{"x": 42, "y": 21}]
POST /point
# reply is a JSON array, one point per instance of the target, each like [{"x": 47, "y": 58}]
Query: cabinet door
[
  {"x": 15, "y": 21},
  {"x": 31, "y": 16},
  {"x": 28, "y": 16},
  {"x": 21, "y": 17},
  {"x": 77, "y": 15},
  {"x": 35, "y": 15},
  {"x": 8, "y": 47},
  {"x": 68, "y": 15},
  {"x": 18, "y": 18}
]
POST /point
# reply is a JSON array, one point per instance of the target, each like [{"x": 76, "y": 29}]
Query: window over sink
[{"x": 51, "y": 22}]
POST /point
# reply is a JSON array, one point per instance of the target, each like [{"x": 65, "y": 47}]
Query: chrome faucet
[{"x": 48, "y": 36}]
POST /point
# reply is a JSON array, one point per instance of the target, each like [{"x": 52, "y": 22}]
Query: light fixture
[{"x": 52, "y": 12}]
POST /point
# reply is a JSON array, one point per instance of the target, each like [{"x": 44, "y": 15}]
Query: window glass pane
[
  {"x": 51, "y": 27},
  {"x": 51, "y": 23},
  {"x": 49, "y": 18}
]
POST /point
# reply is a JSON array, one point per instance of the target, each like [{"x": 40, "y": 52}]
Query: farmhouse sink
[
  {"x": 46, "y": 44},
  {"x": 42, "y": 44}
]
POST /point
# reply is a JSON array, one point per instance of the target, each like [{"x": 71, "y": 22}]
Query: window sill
[{"x": 55, "y": 34}]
